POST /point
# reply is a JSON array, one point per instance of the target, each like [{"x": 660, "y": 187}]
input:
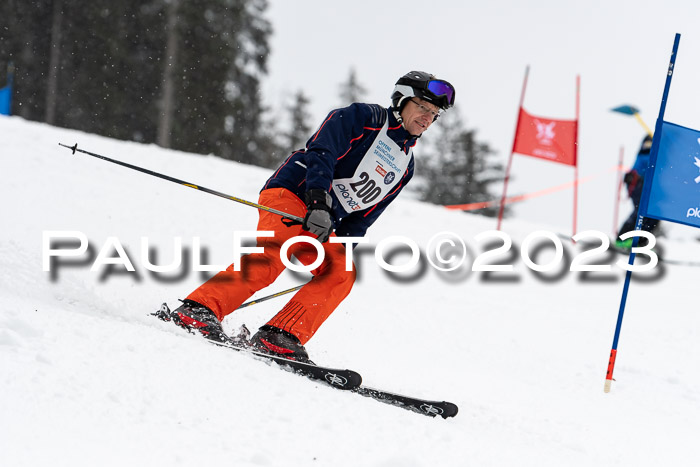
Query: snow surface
[{"x": 88, "y": 378}]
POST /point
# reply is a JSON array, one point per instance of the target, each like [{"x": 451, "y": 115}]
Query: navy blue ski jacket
[
  {"x": 334, "y": 152},
  {"x": 641, "y": 164}
]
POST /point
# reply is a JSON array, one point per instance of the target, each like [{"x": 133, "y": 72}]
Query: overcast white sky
[{"x": 620, "y": 48}]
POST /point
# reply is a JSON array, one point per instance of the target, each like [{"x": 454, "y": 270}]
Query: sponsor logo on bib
[{"x": 375, "y": 175}]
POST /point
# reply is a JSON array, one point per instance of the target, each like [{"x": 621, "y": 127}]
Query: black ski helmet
[{"x": 423, "y": 85}]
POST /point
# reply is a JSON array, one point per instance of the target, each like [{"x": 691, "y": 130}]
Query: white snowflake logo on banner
[
  {"x": 697, "y": 164},
  {"x": 545, "y": 132}
]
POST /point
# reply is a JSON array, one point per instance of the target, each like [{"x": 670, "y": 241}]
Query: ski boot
[
  {"x": 275, "y": 341},
  {"x": 624, "y": 245},
  {"x": 191, "y": 315}
]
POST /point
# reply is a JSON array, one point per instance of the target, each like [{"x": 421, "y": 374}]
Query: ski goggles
[{"x": 440, "y": 88}]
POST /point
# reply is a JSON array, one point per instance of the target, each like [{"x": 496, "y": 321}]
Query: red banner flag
[{"x": 553, "y": 140}]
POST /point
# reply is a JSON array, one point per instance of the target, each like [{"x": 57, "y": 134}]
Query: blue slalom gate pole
[{"x": 641, "y": 214}]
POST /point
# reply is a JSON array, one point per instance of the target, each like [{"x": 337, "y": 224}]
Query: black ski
[
  {"x": 340, "y": 379},
  {"x": 337, "y": 378},
  {"x": 421, "y": 406}
]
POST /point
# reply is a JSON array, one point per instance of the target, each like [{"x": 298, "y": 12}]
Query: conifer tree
[
  {"x": 454, "y": 167},
  {"x": 300, "y": 128},
  {"x": 20, "y": 43},
  {"x": 107, "y": 74},
  {"x": 351, "y": 90}
]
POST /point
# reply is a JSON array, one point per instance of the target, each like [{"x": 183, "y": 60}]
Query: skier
[
  {"x": 634, "y": 181},
  {"x": 352, "y": 168}
]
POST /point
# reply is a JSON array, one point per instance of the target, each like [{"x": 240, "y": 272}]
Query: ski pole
[
  {"x": 274, "y": 295},
  {"x": 165, "y": 316},
  {"x": 292, "y": 219},
  {"x": 632, "y": 110},
  {"x": 644, "y": 125}
]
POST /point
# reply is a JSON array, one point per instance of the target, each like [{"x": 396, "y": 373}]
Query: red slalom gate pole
[
  {"x": 578, "y": 92},
  {"x": 510, "y": 159}
]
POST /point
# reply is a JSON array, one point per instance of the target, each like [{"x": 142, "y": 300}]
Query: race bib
[{"x": 379, "y": 171}]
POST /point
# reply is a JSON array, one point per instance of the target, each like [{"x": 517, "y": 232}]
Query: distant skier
[
  {"x": 634, "y": 181},
  {"x": 352, "y": 168}
]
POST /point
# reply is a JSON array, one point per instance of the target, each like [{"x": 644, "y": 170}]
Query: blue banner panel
[{"x": 675, "y": 189}]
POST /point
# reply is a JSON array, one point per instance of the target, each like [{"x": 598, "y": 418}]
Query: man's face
[{"x": 418, "y": 115}]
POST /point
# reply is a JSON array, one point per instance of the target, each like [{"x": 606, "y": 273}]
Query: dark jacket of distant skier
[{"x": 634, "y": 181}]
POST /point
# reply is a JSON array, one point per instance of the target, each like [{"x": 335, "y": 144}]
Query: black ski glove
[{"x": 318, "y": 219}]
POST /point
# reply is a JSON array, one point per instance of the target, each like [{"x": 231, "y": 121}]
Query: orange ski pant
[{"x": 313, "y": 303}]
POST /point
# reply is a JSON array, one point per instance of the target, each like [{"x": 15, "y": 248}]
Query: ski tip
[
  {"x": 433, "y": 409},
  {"x": 449, "y": 410}
]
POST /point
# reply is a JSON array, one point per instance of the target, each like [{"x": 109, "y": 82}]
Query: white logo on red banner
[{"x": 545, "y": 132}]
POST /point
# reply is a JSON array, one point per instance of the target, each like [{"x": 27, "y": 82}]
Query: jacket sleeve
[{"x": 331, "y": 141}]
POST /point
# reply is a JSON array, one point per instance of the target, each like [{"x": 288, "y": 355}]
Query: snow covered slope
[{"x": 88, "y": 378}]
